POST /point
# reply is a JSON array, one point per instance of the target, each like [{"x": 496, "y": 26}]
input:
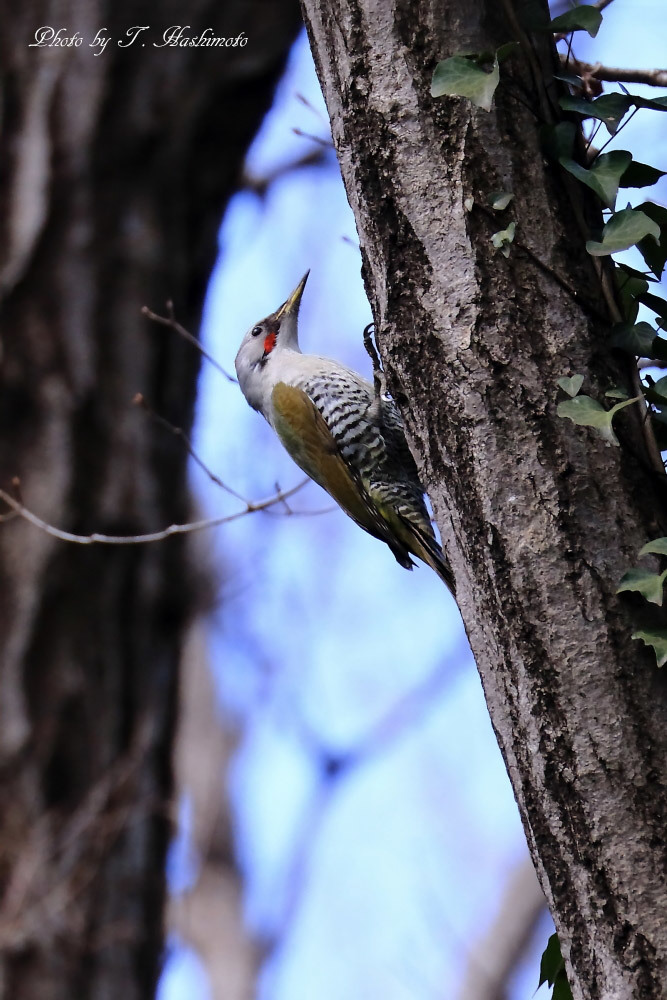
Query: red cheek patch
[{"x": 270, "y": 342}]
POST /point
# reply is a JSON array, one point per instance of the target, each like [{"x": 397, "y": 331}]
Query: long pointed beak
[{"x": 294, "y": 301}]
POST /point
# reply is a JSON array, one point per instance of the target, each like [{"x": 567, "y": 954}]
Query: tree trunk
[
  {"x": 114, "y": 173},
  {"x": 208, "y": 913},
  {"x": 539, "y": 518}
]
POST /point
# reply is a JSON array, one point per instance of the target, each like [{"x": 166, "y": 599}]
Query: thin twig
[
  {"x": 327, "y": 143},
  {"x": 311, "y": 107},
  {"x": 615, "y": 134},
  {"x": 153, "y": 536},
  {"x": 172, "y": 323},
  {"x": 287, "y": 507},
  {"x": 140, "y": 400},
  {"x": 260, "y": 185},
  {"x": 591, "y": 152}
]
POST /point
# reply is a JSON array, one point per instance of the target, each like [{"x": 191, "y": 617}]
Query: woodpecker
[{"x": 341, "y": 433}]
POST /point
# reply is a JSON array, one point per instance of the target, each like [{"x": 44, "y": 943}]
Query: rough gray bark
[
  {"x": 114, "y": 173},
  {"x": 539, "y": 519}
]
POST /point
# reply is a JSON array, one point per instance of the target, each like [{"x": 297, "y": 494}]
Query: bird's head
[{"x": 275, "y": 333}]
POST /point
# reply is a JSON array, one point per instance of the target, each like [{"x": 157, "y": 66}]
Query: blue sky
[{"x": 377, "y": 884}]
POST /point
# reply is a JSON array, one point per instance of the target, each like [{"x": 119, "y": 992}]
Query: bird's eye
[{"x": 256, "y": 330}]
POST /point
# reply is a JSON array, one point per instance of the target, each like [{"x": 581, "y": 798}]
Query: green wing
[{"x": 307, "y": 438}]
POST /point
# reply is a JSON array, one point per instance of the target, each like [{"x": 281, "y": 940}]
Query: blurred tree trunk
[
  {"x": 207, "y": 913},
  {"x": 114, "y": 173},
  {"x": 540, "y": 519}
]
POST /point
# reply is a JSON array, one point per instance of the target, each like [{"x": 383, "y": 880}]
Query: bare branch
[
  {"x": 611, "y": 74},
  {"x": 140, "y": 400},
  {"x": 172, "y": 323},
  {"x": 153, "y": 536}
]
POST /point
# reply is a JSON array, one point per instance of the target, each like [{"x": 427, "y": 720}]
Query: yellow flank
[
  {"x": 306, "y": 437},
  {"x": 308, "y": 440}
]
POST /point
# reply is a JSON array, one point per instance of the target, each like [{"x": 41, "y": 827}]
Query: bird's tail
[
  {"x": 419, "y": 541},
  {"x": 427, "y": 549}
]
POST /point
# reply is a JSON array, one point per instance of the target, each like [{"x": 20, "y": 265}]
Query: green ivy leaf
[
  {"x": 634, "y": 273},
  {"x": 624, "y": 229},
  {"x": 611, "y": 109},
  {"x": 616, "y": 393},
  {"x": 649, "y": 585},
  {"x": 570, "y": 78},
  {"x": 562, "y": 989},
  {"x": 587, "y": 412},
  {"x": 639, "y": 175},
  {"x": 660, "y": 387},
  {"x": 639, "y": 339},
  {"x": 656, "y": 638},
  {"x": 506, "y": 50},
  {"x": 659, "y": 398},
  {"x": 658, "y": 547},
  {"x": 604, "y": 177},
  {"x": 462, "y": 76},
  {"x": 656, "y": 304},
  {"x": 655, "y": 103},
  {"x": 552, "y": 970},
  {"x": 571, "y": 385},
  {"x": 657, "y": 350},
  {"x": 630, "y": 285},
  {"x": 552, "y": 962},
  {"x": 498, "y": 200},
  {"x": 558, "y": 140},
  {"x": 660, "y": 429},
  {"x": 502, "y": 239},
  {"x": 581, "y": 18},
  {"x": 654, "y": 254}
]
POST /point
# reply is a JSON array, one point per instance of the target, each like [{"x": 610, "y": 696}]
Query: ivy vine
[{"x": 476, "y": 76}]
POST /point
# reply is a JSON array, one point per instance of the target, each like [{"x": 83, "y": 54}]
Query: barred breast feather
[{"x": 353, "y": 444}]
